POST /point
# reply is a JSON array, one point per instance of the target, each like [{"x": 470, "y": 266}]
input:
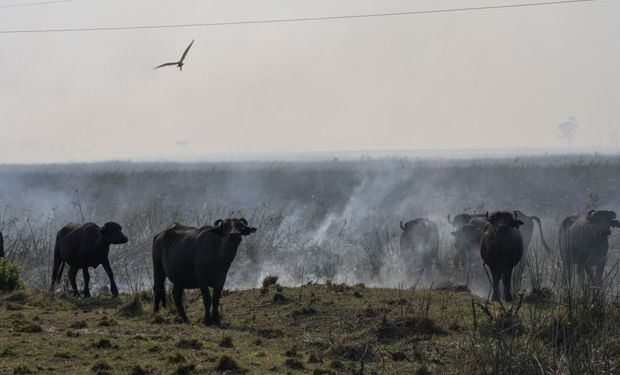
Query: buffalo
[
  {"x": 501, "y": 249},
  {"x": 467, "y": 240},
  {"x": 196, "y": 258},
  {"x": 82, "y": 246},
  {"x": 420, "y": 239},
  {"x": 468, "y": 234},
  {"x": 1, "y": 246},
  {"x": 584, "y": 244}
]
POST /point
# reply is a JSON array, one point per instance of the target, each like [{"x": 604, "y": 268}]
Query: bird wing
[
  {"x": 187, "y": 49},
  {"x": 166, "y": 64}
]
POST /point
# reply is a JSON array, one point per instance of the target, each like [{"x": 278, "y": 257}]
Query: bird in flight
[{"x": 180, "y": 62}]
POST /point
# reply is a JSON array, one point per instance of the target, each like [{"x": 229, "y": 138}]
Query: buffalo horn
[
  {"x": 244, "y": 221},
  {"x": 401, "y": 225},
  {"x": 450, "y": 222},
  {"x": 515, "y": 214},
  {"x": 590, "y": 213},
  {"x": 217, "y": 222}
]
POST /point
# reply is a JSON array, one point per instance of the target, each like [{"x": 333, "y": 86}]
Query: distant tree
[{"x": 568, "y": 129}]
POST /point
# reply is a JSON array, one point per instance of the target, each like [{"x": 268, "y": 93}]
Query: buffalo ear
[
  {"x": 615, "y": 224},
  {"x": 517, "y": 223}
]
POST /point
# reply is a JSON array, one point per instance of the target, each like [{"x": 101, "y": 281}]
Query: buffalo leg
[
  {"x": 177, "y": 294},
  {"x": 108, "y": 270},
  {"x": 206, "y": 300},
  {"x": 581, "y": 276},
  {"x": 159, "y": 295},
  {"x": 496, "y": 275},
  {"x": 600, "y": 270},
  {"x": 86, "y": 281},
  {"x": 72, "y": 274},
  {"x": 217, "y": 293},
  {"x": 506, "y": 278}
]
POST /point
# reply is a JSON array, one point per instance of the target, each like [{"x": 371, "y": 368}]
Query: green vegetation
[
  {"x": 384, "y": 331},
  {"x": 9, "y": 276}
]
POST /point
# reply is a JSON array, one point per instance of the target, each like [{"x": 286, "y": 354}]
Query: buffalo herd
[
  {"x": 191, "y": 258},
  {"x": 500, "y": 240},
  {"x": 199, "y": 258}
]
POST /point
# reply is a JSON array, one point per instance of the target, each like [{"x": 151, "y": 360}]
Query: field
[
  {"x": 345, "y": 302},
  {"x": 332, "y": 220},
  {"x": 315, "y": 329}
]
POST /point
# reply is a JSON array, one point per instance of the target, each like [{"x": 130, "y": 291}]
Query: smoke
[{"x": 318, "y": 220}]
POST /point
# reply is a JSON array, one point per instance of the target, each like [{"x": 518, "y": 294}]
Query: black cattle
[
  {"x": 196, "y": 258},
  {"x": 419, "y": 242},
  {"x": 1, "y": 246},
  {"x": 501, "y": 249},
  {"x": 468, "y": 225},
  {"x": 467, "y": 240},
  {"x": 584, "y": 244},
  {"x": 82, "y": 246}
]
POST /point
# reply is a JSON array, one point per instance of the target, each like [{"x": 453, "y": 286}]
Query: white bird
[{"x": 180, "y": 62}]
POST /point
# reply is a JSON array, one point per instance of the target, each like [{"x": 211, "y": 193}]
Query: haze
[{"x": 472, "y": 80}]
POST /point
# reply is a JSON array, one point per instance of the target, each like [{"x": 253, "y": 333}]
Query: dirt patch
[{"x": 406, "y": 327}]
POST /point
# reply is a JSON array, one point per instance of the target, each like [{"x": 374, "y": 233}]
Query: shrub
[
  {"x": 9, "y": 276},
  {"x": 226, "y": 342},
  {"x": 269, "y": 280},
  {"x": 227, "y": 363},
  {"x": 131, "y": 308}
]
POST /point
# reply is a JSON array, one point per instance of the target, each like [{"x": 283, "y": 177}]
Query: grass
[
  {"x": 386, "y": 330},
  {"x": 257, "y": 335}
]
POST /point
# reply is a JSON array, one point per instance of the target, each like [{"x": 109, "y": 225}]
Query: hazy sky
[{"x": 497, "y": 78}]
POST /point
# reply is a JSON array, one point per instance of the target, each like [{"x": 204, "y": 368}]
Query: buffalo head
[
  {"x": 232, "y": 227},
  {"x": 113, "y": 233},
  {"x": 460, "y": 219},
  {"x": 503, "y": 220},
  {"x": 603, "y": 221}
]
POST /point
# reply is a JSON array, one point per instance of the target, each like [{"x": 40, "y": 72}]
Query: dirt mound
[{"x": 405, "y": 327}]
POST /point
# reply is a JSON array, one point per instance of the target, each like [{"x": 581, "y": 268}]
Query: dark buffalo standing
[
  {"x": 501, "y": 249},
  {"x": 584, "y": 244},
  {"x": 467, "y": 238},
  {"x": 469, "y": 230},
  {"x": 196, "y": 258},
  {"x": 82, "y": 246},
  {"x": 419, "y": 242},
  {"x": 1, "y": 246}
]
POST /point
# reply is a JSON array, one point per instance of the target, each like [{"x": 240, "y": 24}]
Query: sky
[{"x": 492, "y": 79}]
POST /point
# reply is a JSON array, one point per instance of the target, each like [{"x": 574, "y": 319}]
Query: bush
[
  {"x": 9, "y": 276},
  {"x": 131, "y": 308}
]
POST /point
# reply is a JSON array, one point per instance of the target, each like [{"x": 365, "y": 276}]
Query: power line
[
  {"x": 290, "y": 20},
  {"x": 36, "y": 3}
]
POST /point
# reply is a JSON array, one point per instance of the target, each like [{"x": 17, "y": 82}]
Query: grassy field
[{"x": 317, "y": 329}]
